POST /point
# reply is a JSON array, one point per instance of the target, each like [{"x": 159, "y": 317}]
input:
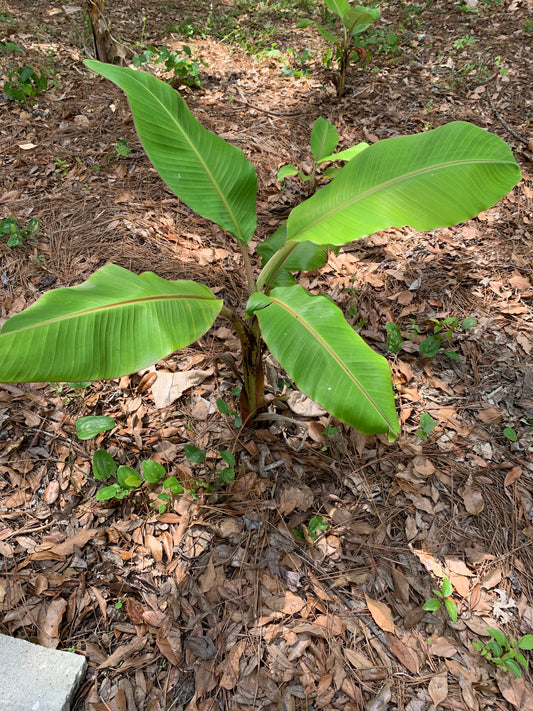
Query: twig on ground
[{"x": 504, "y": 122}]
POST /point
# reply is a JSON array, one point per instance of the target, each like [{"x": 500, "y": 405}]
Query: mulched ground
[{"x": 217, "y": 604}]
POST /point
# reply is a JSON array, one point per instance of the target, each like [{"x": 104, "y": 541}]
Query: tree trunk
[{"x": 107, "y": 49}]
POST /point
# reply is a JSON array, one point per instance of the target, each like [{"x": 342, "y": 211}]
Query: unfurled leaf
[
  {"x": 213, "y": 177},
  {"x": 153, "y": 472},
  {"x": 452, "y": 609},
  {"x": 113, "y": 324},
  {"x": 104, "y": 466},
  {"x": 432, "y": 605},
  {"x": 328, "y": 361},
  {"x": 107, "y": 492},
  {"x": 92, "y": 425},
  {"x": 429, "y": 180},
  {"x": 447, "y": 588},
  {"x": 128, "y": 477},
  {"x": 324, "y": 139},
  {"x": 525, "y": 642}
]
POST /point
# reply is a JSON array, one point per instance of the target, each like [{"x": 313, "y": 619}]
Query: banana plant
[
  {"x": 118, "y": 322},
  {"x": 324, "y": 140},
  {"x": 354, "y": 21}
]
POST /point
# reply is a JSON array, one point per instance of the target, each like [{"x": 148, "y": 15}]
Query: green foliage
[
  {"x": 510, "y": 433},
  {"x": 394, "y": 337},
  {"x": 17, "y": 235},
  {"x": 353, "y": 21},
  {"x": 6, "y": 47},
  {"x": 24, "y": 84},
  {"x": 505, "y": 652},
  {"x": 324, "y": 140},
  {"x": 427, "y": 425},
  {"x": 442, "y": 597},
  {"x": 118, "y": 322},
  {"x": 182, "y": 64},
  {"x": 89, "y": 427},
  {"x": 443, "y": 331},
  {"x": 122, "y": 148},
  {"x": 215, "y": 476},
  {"x": 315, "y": 525},
  {"x": 224, "y": 409}
]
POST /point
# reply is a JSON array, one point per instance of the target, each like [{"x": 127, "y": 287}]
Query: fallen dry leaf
[
  {"x": 438, "y": 688},
  {"x": 443, "y": 646},
  {"x": 288, "y": 603},
  {"x": 49, "y": 629},
  {"x": 405, "y": 655},
  {"x": 170, "y": 386},
  {"x": 473, "y": 500},
  {"x": 516, "y": 691},
  {"x": 78, "y": 540},
  {"x": 381, "y": 614},
  {"x": 230, "y": 666},
  {"x": 513, "y": 475},
  {"x": 124, "y": 651},
  {"x": 333, "y": 624}
]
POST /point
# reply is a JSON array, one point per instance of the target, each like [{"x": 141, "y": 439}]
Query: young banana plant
[{"x": 118, "y": 322}]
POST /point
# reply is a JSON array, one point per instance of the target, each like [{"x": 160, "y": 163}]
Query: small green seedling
[
  {"x": 225, "y": 475},
  {"x": 298, "y": 64},
  {"x": 122, "y": 148},
  {"x": 442, "y": 596},
  {"x": 443, "y": 330},
  {"x": 505, "y": 652},
  {"x": 16, "y": 234},
  {"x": 324, "y": 140},
  {"x": 394, "y": 337},
  {"x": 61, "y": 166},
  {"x": 224, "y": 409},
  {"x": 510, "y": 433},
  {"x": 427, "y": 425},
  {"x": 354, "y": 21},
  {"x": 182, "y": 64},
  {"x": 68, "y": 391},
  {"x": 24, "y": 84},
  {"x": 315, "y": 525},
  {"x": 9, "y": 47}
]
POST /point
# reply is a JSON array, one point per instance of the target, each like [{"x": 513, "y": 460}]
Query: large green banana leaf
[
  {"x": 427, "y": 180},
  {"x": 338, "y": 6},
  {"x": 328, "y": 361},
  {"x": 212, "y": 176},
  {"x": 114, "y": 323}
]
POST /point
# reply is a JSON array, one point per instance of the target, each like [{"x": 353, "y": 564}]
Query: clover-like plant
[
  {"x": 505, "y": 652},
  {"x": 354, "y": 21},
  {"x": 442, "y": 597},
  {"x": 118, "y": 322}
]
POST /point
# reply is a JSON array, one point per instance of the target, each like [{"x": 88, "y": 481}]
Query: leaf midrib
[
  {"x": 200, "y": 159},
  {"x": 382, "y": 186},
  {"x": 104, "y": 307},
  {"x": 311, "y": 330}
]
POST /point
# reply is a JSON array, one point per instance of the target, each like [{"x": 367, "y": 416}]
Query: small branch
[{"x": 504, "y": 123}]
